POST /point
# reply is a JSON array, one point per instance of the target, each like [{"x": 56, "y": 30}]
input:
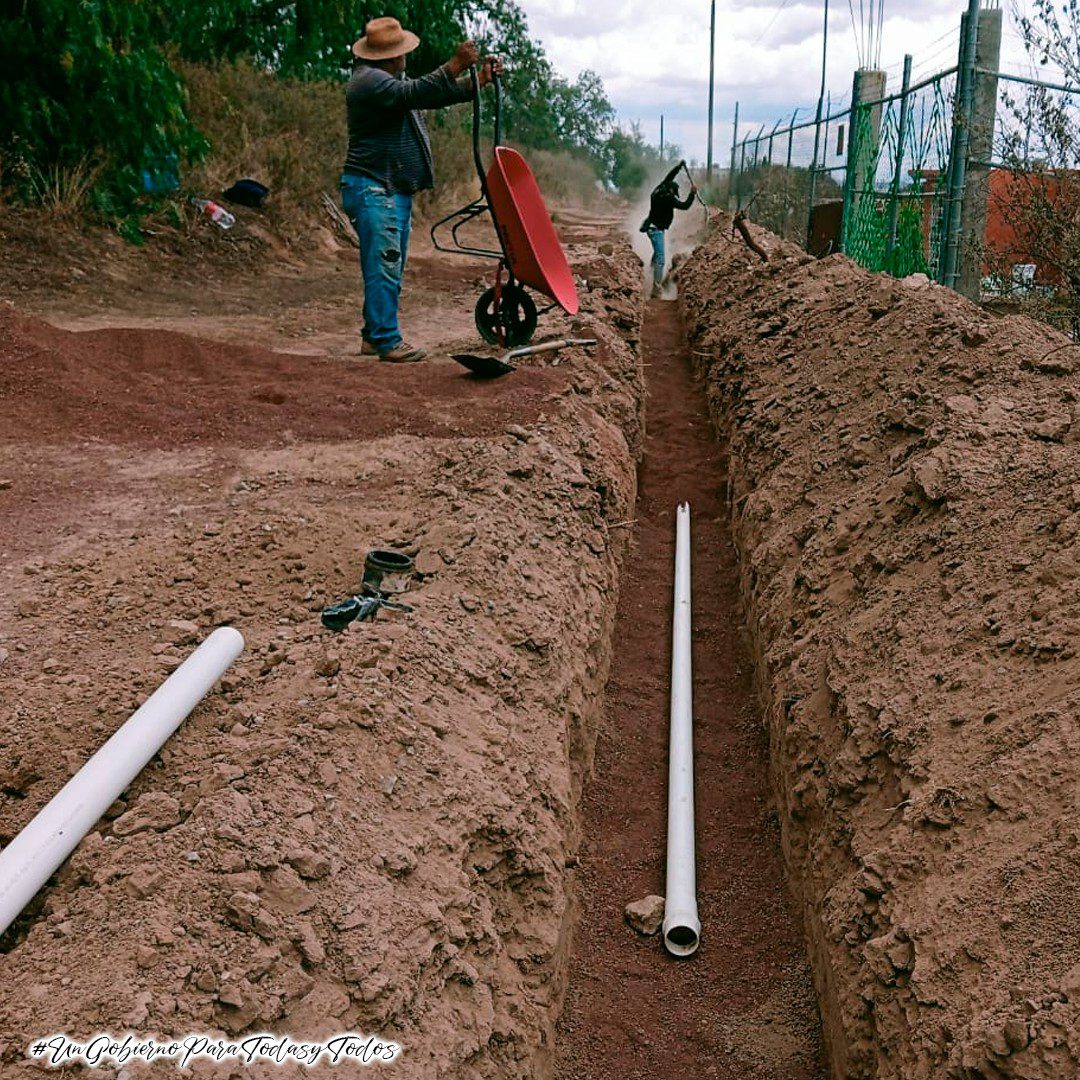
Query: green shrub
[
  {"x": 86, "y": 91},
  {"x": 287, "y": 133}
]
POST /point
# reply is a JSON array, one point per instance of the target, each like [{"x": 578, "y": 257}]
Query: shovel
[
  {"x": 491, "y": 367},
  {"x": 697, "y": 194}
]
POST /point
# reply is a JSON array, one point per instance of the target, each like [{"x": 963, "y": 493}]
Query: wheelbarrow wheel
[{"x": 516, "y": 316}]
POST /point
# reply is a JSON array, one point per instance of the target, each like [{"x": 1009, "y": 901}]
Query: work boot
[{"x": 403, "y": 353}]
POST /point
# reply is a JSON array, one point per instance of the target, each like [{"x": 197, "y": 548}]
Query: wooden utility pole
[{"x": 661, "y": 136}]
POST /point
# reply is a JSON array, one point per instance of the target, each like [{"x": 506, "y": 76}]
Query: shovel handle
[{"x": 548, "y": 346}]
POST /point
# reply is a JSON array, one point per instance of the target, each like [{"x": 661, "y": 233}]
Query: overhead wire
[
  {"x": 868, "y": 29},
  {"x": 776, "y": 15},
  {"x": 854, "y": 31}
]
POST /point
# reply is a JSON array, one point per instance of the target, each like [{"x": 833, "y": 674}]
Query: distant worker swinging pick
[{"x": 662, "y": 206}]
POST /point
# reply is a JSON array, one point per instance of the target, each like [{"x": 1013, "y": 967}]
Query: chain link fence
[
  {"x": 970, "y": 175},
  {"x": 865, "y": 181}
]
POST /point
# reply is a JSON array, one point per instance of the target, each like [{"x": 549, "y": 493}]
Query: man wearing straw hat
[{"x": 389, "y": 161}]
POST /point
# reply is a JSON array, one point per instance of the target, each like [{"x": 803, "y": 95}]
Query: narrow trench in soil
[{"x": 743, "y": 1006}]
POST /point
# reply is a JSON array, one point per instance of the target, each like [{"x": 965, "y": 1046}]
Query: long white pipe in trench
[
  {"x": 682, "y": 929},
  {"x": 33, "y": 856}
]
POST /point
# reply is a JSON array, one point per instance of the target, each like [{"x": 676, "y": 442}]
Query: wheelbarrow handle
[
  {"x": 497, "y": 85},
  {"x": 476, "y": 129}
]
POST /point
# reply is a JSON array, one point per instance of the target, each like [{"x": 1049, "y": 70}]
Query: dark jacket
[
  {"x": 388, "y": 139},
  {"x": 663, "y": 204}
]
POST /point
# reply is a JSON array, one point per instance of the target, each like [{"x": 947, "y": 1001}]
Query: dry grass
[
  {"x": 564, "y": 179},
  {"x": 64, "y": 190},
  {"x": 291, "y": 136}
]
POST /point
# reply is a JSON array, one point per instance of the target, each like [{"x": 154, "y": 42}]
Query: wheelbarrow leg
[{"x": 500, "y": 330}]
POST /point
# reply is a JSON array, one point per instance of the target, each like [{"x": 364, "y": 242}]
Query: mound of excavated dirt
[
  {"x": 906, "y": 491},
  {"x": 155, "y": 388},
  {"x": 361, "y": 832}
]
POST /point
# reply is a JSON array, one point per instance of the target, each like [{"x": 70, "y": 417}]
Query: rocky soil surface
[
  {"x": 905, "y": 481},
  {"x": 369, "y": 831}
]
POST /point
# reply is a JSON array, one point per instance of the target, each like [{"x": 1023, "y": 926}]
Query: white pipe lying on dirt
[
  {"x": 682, "y": 929},
  {"x": 33, "y": 856}
]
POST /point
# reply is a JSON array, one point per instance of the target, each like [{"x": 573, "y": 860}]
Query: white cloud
[{"x": 654, "y": 58}]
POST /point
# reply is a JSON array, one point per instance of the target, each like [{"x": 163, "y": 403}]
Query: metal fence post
[
  {"x": 742, "y": 170},
  {"x": 788, "y": 207},
  {"x": 731, "y": 171},
  {"x": 712, "y": 80},
  {"x": 812, "y": 184},
  {"x": 901, "y": 142},
  {"x": 817, "y": 127},
  {"x": 772, "y": 135}
]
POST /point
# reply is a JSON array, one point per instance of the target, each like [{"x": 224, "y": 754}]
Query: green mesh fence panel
[
  {"x": 892, "y": 216},
  {"x": 895, "y": 202}
]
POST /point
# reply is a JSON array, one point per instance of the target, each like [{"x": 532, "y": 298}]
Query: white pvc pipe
[
  {"x": 682, "y": 928},
  {"x": 33, "y": 856}
]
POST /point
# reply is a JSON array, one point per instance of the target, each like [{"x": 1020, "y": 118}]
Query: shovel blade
[{"x": 484, "y": 367}]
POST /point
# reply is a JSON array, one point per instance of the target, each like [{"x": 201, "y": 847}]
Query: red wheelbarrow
[{"x": 531, "y": 253}]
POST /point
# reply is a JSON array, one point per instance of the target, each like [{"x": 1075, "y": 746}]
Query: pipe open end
[{"x": 681, "y": 940}]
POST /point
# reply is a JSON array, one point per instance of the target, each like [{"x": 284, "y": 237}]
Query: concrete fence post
[
  {"x": 976, "y": 194},
  {"x": 864, "y": 138}
]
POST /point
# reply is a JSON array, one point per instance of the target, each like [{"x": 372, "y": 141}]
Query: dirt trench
[
  {"x": 743, "y": 1007},
  {"x": 379, "y": 831},
  {"x": 364, "y": 832},
  {"x": 905, "y": 495}
]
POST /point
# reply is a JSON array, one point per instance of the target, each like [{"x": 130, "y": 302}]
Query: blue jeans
[
  {"x": 382, "y": 219},
  {"x": 656, "y": 238}
]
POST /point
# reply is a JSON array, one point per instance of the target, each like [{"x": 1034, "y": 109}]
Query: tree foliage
[
  {"x": 630, "y": 159},
  {"x": 90, "y": 85},
  {"x": 540, "y": 108},
  {"x": 1040, "y": 145},
  {"x": 308, "y": 39},
  {"x": 86, "y": 85},
  {"x": 1050, "y": 31}
]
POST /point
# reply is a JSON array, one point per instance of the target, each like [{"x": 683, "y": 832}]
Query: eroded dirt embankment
[
  {"x": 365, "y": 832},
  {"x": 906, "y": 501}
]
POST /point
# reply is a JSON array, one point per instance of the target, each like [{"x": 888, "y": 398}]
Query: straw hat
[{"x": 383, "y": 40}]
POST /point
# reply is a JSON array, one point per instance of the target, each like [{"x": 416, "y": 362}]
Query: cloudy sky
[{"x": 654, "y": 57}]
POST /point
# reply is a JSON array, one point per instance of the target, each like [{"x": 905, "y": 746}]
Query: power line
[
  {"x": 926, "y": 55},
  {"x": 772, "y": 21},
  {"x": 854, "y": 32}
]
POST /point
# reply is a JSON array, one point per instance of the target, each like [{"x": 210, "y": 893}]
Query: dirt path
[{"x": 743, "y": 1006}]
